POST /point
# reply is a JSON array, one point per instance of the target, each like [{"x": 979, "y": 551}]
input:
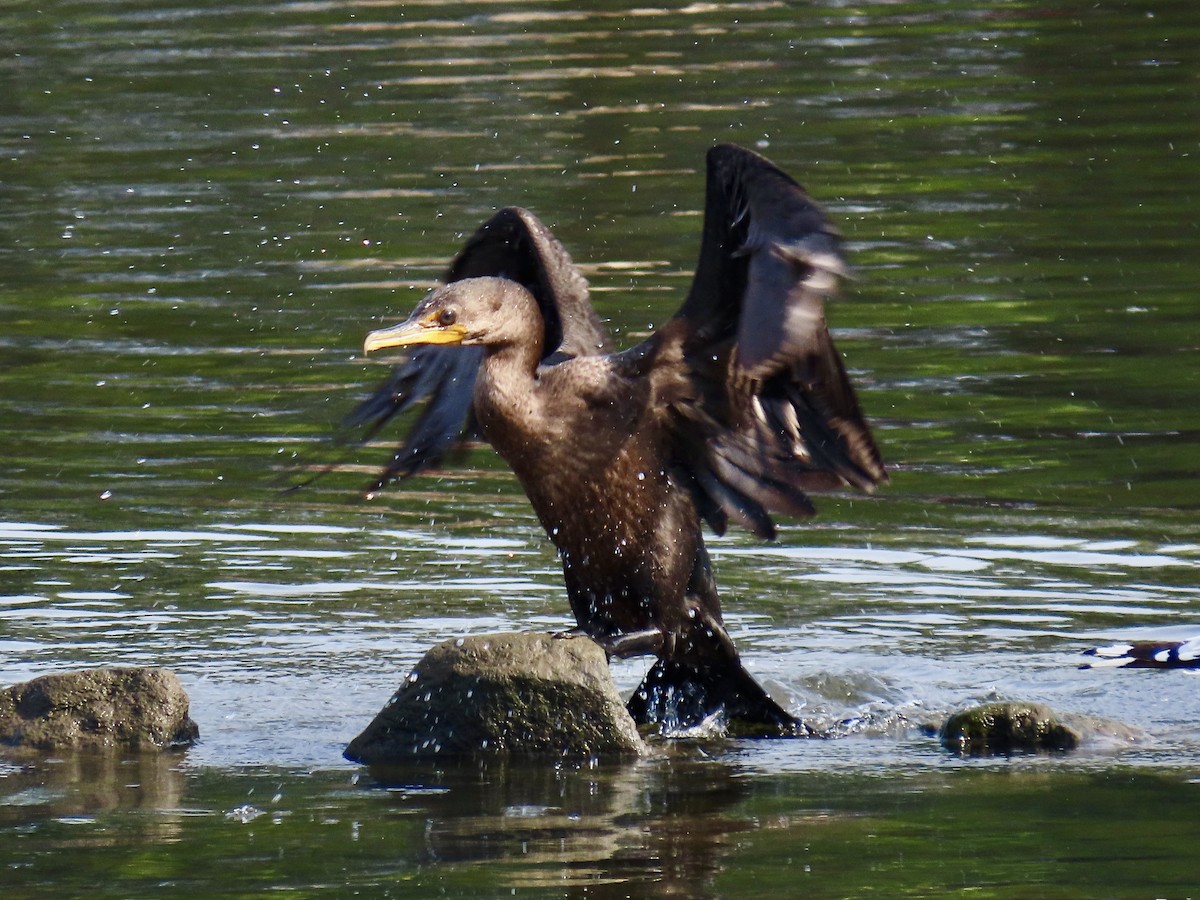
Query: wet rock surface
[
  {"x": 133, "y": 708},
  {"x": 1015, "y": 727},
  {"x": 527, "y": 694}
]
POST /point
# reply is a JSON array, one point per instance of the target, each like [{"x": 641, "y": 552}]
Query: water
[{"x": 207, "y": 205}]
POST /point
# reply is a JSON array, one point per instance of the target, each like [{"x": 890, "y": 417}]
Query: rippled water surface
[{"x": 207, "y": 205}]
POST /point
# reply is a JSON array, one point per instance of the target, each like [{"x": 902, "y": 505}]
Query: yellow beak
[{"x": 414, "y": 331}]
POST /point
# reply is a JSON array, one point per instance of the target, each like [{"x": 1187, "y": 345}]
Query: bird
[
  {"x": 731, "y": 411},
  {"x": 1146, "y": 655}
]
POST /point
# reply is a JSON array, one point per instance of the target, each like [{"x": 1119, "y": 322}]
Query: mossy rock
[
  {"x": 93, "y": 709},
  {"x": 1009, "y": 727},
  {"x": 526, "y": 694}
]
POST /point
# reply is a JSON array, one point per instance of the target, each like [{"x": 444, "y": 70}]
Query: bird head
[{"x": 473, "y": 311}]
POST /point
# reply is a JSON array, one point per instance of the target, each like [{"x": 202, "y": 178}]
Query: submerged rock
[
  {"x": 134, "y": 708},
  {"x": 519, "y": 693},
  {"x": 1013, "y": 727},
  {"x": 1007, "y": 727}
]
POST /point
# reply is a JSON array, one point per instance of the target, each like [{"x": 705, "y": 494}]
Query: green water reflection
[
  {"x": 206, "y": 205},
  {"x": 687, "y": 826}
]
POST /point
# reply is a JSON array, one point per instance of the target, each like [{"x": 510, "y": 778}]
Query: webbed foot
[
  {"x": 575, "y": 632},
  {"x": 631, "y": 643}
]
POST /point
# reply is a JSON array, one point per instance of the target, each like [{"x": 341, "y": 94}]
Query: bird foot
[
  {"x": 569, "y": 633},
  {"x": 632, "y": 643}
]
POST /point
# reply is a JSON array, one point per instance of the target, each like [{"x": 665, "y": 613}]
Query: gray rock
[
  {"x": 133, "y": 708},
  {"x": 528, "y": 694}
]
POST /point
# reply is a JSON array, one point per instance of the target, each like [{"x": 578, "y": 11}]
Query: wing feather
[{"x": 771, "y": 412}]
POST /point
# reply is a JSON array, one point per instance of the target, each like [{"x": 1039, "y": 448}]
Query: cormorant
[{"x": 733, "y": 409}]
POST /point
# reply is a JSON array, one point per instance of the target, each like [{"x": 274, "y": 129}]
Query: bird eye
[{"x": 446, "y": 317}]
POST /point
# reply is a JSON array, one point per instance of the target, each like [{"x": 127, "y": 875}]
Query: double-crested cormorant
[{"x": 734, "y": 408}]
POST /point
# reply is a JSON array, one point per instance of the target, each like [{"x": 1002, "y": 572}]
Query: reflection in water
[
  {"x": 554, "y": 827},
  {"x": 85, "y": 786},
  {"x": 524, "y": 826},
  {"x": 686, "y": 826}
]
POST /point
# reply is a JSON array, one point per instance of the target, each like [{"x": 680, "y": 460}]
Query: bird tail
[{"x": 678, "y": 695}]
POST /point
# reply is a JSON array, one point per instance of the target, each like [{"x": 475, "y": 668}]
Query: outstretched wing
[
  {"x": 770, "y": 411},
  {"x": 512, "y": 244}
]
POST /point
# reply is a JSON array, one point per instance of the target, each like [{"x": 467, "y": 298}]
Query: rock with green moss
[
  {"x": 93, "y": 709},
  {"x": 527, "y": 694},
  {"x": 1014, "y": 727}
]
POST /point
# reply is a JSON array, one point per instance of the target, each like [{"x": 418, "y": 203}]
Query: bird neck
[
  {"x": 506, "y": 396},
  {"x": 512, "y": 361},
  {"x": 507, "y": 401}
]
